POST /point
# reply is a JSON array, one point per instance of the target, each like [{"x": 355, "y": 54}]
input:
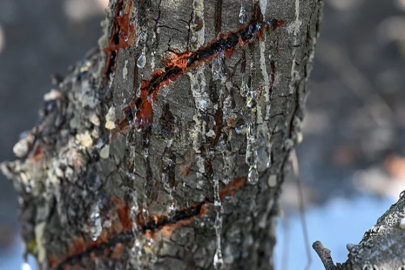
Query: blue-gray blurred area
[{"x": 352, "y": 159}]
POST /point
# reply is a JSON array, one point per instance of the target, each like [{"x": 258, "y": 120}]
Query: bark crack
[
  {"x": 218, "y": 17},
  {"x": 171, "y": 28}
]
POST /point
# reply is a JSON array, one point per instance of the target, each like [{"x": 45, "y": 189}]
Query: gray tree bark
[
  {"x": 382, "y": 247},
  {"x": 165, "y": 148}
]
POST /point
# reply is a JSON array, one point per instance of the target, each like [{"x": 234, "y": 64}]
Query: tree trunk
[{"x": 165, "y": 148}]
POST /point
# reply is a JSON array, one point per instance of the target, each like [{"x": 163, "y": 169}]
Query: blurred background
[{"x": 352, "y": 159}]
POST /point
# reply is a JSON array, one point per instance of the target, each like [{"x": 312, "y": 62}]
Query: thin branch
[{"x": 324, "y": 255}]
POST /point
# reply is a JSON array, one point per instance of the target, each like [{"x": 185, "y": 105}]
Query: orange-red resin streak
[
  {"x": 183, "y": 62},
  {"x": 122, "y": 35},
  {"x": 123, "y": 223}
]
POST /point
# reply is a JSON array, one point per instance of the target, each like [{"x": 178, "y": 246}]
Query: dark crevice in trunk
[{"x": 218, "y": 17}]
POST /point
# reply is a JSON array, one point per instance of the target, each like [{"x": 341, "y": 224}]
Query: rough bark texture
[
  {"x": 382, "y": 247},
  {"x": 165, "y": 148}
]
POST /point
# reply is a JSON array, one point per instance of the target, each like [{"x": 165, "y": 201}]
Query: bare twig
[{"x": 324, "y": 255}]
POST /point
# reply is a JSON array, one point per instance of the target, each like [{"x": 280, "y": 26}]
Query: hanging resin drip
[
  {"x": 253, "y": 175},
  {"x": 95, "y": 226},
  {"x": 251, "y": 155},
  {"x": 142, "y": 59},
  {"x": 145, "y": 145},
  {"x": 136, "y": 248},
  {"x": 244, "y": 88},
  {"x": 250, "y": 140},
  {"x": 242, "y": 15},
  {"x": 217, "y": 69},
  {"x": 269, "y": 147},
  {"x": 228, "y": 167},
  {"x": 218, "y": 261},
  {"x": 167, "y": 177}
]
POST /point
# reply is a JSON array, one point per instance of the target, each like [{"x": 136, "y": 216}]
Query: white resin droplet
[{"x": 95, "y": 223}]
